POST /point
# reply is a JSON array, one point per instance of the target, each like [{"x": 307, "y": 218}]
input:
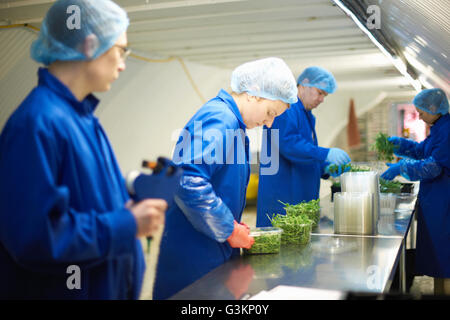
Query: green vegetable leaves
[
  {"x": 265, "y": 241},
  {"x": 298, "y": 221},
  {"x": 383, "y": 148},
  {"x": 390, "y": 186}
]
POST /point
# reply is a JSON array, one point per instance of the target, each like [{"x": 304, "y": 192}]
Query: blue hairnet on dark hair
[
  {"x": 78, "y": 30},
  {"x": 319, "y": 78},
  {"x": 433, "y": 101}
]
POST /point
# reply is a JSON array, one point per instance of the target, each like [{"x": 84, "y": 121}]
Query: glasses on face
[{"x": 124, "y": 53}]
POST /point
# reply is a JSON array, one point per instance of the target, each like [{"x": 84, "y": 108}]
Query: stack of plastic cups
[
  {"x": 353, "y": 213},
  {"x": 364, "y": 182}
]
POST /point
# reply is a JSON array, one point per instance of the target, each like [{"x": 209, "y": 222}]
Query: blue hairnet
[
  {"x": 319, "y": 78},
  {"x": 433, "y": 101},
  {"x": 268, "y": 78},
  {"x": 69, "y": 23}
]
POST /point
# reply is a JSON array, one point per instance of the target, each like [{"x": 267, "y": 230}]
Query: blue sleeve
[
  {"x": 411, "y": 149},
  {"x": 201, "y": 153},
  {"x": 293, "y": 145},
  {"x": 38, "y": 228},
  {"x": 414, "y": 170},
  {"x": 204, "y": 209}
]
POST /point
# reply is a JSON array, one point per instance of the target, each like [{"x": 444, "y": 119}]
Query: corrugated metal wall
[{"x": 17, "y": 70}]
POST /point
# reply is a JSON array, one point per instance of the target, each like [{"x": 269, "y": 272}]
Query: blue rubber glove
[
  {"x": 392, "y": 172},
  {"x": 396, "y": 141},
  {"x": 338, "y": 157},
  {"x": 336, "y": 173}
]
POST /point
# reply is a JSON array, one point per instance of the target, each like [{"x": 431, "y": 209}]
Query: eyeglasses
[{"x": 124, "y": 53}]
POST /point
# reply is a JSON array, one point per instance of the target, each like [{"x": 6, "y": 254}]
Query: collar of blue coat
[
  {"x": 87, "y": 106},
  {"x": 440, "y": 122},
  {"x": 299, "y": 104},
  {"x": 228, "y": 99}
]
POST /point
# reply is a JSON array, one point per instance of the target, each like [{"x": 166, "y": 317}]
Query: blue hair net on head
[
  {"x": 433, "y": 101},
  {"x": 319, "y": 78},
  {"x": 268, "y": 78},
  {"x": 78, "y": 30}
]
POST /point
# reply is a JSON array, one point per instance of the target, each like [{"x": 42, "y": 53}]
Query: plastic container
[
  {"x": 405, "y": 202},
  {"x": 267, "y": 240},
  {"x": 300, "y": 233},
  {"x": 387, "y": 203},
  {"x": 368, "y": 181},
  {"x": 353, "y": 213}
]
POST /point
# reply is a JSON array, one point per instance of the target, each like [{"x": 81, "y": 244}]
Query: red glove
[
  {"x": 245, "y": 225},
  {"x": 240, "y": 237}
]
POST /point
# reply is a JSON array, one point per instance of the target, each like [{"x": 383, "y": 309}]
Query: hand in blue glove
[
  {"x": 395, "y": 140},
  {"x": 338, "y": 157},
  {"x": 392, "y": 172},
  {"x": 335, "y": 171}
]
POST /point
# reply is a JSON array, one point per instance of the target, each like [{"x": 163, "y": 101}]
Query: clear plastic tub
[
  {"x": 296, "y": 233},
  {"x": 387, "y": 203},
  {"x": 353, "y": 213},
  {"x": 405, "y": 202},
  {"x": 267, "y": 240}
]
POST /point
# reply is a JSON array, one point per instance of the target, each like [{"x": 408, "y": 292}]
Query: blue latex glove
[
  {"x": 392, "y": 172},
  {"x": 395, "y": 140},
  {"x": 338, "y": 157},
  {"x": 335, "y": 174}
]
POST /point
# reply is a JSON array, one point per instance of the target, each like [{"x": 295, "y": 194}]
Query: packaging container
[
  {"x": 267, "y": 240},
  {"x": 405, "y": 202},
  {"x": 387, "y": 203},
  {"x": 364, "y": 182},
  {"x": 353, "y": 213},
  {"x": 297, "y": 233}
]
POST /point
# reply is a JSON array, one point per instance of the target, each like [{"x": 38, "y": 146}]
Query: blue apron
[
  {"x": 187, "y": 254},
  {"x": 433, "y": 214},
  {"x": 62, "y": 200},
  {"x": 301, "y": 163}
]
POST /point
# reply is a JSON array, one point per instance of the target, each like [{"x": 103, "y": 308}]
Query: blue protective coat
[
  {"x": 62, "y": 200},
  {"x": 194, "y": 239},
  {"x": 432, "y": 168},
  {"x": 301, "y": 163}
]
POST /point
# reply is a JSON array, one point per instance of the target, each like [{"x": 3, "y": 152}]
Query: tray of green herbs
[
  {"x": 383, "y": 148},
  {"x": 310, "y": 209},
  {"x": 296, "y": 228},
  {"x": 387, "y": 186},
  {"x": 267, "y": 240}
]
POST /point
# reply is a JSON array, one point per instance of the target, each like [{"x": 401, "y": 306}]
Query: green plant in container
[
  {"x": 267, "y": 240},
  {"x": 296, "y": 228},
  {"x": 387, "y": 186},
  {"x": 310, "y": 209}
]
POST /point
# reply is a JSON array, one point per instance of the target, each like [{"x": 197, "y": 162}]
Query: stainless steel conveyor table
[{"x": 364, "y": 264}]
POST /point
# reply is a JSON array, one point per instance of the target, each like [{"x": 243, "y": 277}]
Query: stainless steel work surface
[
  {"x": 345, "y": 263},
  {"x": 330, "y": 261}
]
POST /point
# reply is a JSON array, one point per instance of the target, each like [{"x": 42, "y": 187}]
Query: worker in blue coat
[
  {"x": 67, "y": 227},
  {"x": 429, "y": 163},
  {"x": 292, "y": 140},
  {"x": 204, "y": 230}
]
